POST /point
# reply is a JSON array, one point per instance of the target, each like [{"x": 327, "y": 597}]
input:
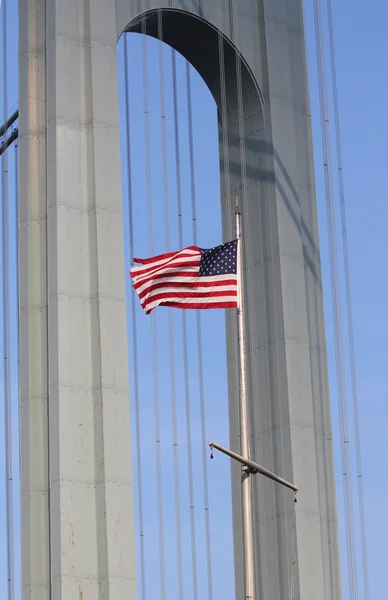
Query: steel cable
[
  {"x": 184, "y": 340},
  {"x": 317, "y": 326},
  {"x": 225, "y": 146},
  {"x": 153, "y": 319},
  {"x": 348, "y": 297},
  {"x": 139, "y": 469},
  {"x": 6, "y": 330},
  {"x": 199, "y": 341},
  {"x": 336, "y": 305},
  {"x": 170, "y": 317}
]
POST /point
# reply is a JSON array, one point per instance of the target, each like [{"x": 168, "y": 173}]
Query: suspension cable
[
  {"x": 6, "y": 331},
  {"x": 184, "y": 333},
  {"x": 139, "y": 467},
  {"x": 153, "y": 319},
  {"x": 225, "y": 146},
  {"x": 348, "y": 297},
  {"x": 170, "y": 317},
  {"x": 293, "y": 554},
  {"x": 16, "y": 167},
  {"x": 325, "y": 490},
  {"x": 199, "y": 340},
  {"x": 336, "y": 306}
]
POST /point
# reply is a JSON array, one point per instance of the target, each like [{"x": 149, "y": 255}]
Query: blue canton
[{"x": 221, "y": 260}]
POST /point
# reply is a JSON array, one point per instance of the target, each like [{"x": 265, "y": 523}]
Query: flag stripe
[
  {"x": 185, "y": 280},
  {"x": 190, "y": 273},
  {"x": 195, "y": 287},
  {"x": 165, "y": 257},
  {"x": 198, "y": 306},
  {"x": 192, "y": 265},
  {"x": 175, "y": 256},
  {"x": 174, "y": 302},
  {"x": 190, "y": 260},
  {"x": 171, "y": 294}
]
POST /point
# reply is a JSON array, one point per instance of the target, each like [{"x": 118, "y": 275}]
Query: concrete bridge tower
[{"x": 76, "y": 475}]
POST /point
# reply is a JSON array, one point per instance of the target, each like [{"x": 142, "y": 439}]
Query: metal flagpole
[
  {"x": 246, "y": 483},
  {"x": 249, "y": 467}
]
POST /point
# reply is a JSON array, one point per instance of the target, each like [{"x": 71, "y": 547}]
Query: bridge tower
[{"x": 76, "y": 479}]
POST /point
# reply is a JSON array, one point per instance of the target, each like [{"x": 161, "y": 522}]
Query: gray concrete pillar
[{"x": 76, "y": 481}]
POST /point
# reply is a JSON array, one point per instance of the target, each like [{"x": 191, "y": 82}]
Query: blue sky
[
  {"x": 361, "y": 50},
  {"x": 361, "y": 45}
]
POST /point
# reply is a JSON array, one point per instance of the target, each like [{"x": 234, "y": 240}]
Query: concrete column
[{"x": 76, "y": 479}]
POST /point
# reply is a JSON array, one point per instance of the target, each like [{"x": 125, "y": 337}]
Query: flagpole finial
[{"x": 237, "y": 206}]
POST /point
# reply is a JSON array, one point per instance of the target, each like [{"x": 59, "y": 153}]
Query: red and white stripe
[{"x": 173, "y": 280}]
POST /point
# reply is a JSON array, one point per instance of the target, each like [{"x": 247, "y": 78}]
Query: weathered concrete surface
[{"x": 74, "y": 368}]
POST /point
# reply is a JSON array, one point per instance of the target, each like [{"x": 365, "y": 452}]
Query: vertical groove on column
[
  {"x": 48, "y": 383},
  {"x": 33, "y": 300}
]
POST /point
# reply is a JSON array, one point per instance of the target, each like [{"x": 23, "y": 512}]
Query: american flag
[{"x": 190, "y": 278}]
